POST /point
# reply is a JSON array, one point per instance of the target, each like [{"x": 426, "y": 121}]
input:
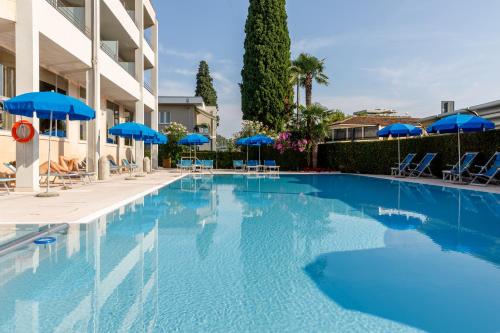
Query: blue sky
[{"x": 402, "y": 54}]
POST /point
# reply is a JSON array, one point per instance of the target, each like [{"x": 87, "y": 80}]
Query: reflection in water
[
  {"x": 96, "y": 277},
  {"x": 238, "y": 253}
]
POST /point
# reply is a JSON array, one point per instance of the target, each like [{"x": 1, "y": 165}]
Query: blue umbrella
[
  {"x": 399, "y": 130},
  {"x": 460, "y": 123},
  {"x": 260, "y": 139},
  {"x": 158, "y": 139},
  {"x": 193, "y": 140},
  {"x": 133, "y": 130},
  {"x": 49, "y": 105},
  {"x": 244, "y": 142}
]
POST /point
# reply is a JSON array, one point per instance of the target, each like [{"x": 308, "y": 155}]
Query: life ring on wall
[{"x": 23, "y": 131}]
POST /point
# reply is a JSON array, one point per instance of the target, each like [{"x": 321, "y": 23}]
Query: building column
[
  {"x": 27, "y": 80},
  {"x": 95, "y": 139},
  {"x": 139, "y": 75},
  {"x": 154, "y": 83}
]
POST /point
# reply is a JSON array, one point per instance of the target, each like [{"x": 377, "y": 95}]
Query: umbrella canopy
[
  {"x": 463, "y": 122},
  {"x": 49, "y": 105},
  {"x": 158, "y": 139},
  {"x": 398, "y": 130},
  {"x": 193, "y": 140},
  {"x": 260, "y": 139},
  {"x": 460, "y": 123},
  {"x": 132, "y": 130}
]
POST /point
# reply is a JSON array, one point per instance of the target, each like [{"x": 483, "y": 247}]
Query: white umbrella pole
[
  {"x": 48, "y": 163},
  {"x": 399, "y": 157},
  {"x": 459, "y": 159}
]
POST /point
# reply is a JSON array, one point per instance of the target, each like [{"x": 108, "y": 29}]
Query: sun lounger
[
  {"x": 198, "y": 165},
  {"x": 129, "y": 166},
  {"x": 113, "y": 167},
  {"x": 5, "y": 183},
  {"x": 270, "y": 165},
  {"x": 488, "y": 172},
  {"x": 207, "y": 164},
  {"x": 403, "y": 167},
  {"x": 238, "y": 165},
  {"x": 459, "y": 171},
  {"x": 185, "y": 165},
  {"x": 423, "y": 168},
  {"x": 253, "y": 165}
]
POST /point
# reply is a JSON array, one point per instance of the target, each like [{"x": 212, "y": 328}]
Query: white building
[{"x": 102, "y": 51}]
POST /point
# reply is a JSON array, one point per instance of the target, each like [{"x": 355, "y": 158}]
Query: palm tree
[
  {"x": 296, "y": 76},
  {"x": 317, "y": 120},
  {"x": 311, "y": 69}
]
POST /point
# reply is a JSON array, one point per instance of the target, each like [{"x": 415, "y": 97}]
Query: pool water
[{"x": 294, "y": 253}]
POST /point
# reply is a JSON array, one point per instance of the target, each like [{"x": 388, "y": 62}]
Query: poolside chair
[
  {"x": 185, "y": 165},
  {"x": 488, "y": 172},
  {"x": 82, "y": 169},
  {"x": 423, "y": 168},
  {"x": 238, "y": 165},
  {"x": 253, "y": 165},
  {"x": 459, "y": 171},
  {"x": 129, "y": 166},
  {"x": 403, "y": 167},
  {"x": 198, "y": 165},
  {"x": 113, "y": 167},
  {"x": 270, "y": 165},
  {"x": 208, "y": 165},
  {"x": 5, "y": 183}
]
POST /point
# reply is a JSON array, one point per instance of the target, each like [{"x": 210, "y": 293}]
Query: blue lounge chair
[
  {"x": 488, "y": 172},
  {"x": 238, "y": 164},
  {"x": 208, "y": 164},
  {"x": 270, "y": 165},
  {"x": 185, "y": 165},
  {"x": 459, "y": 171},
  {"x": 130, "y": 166},
  {"x": 198, "y": 165},
  {"x": 113, "y": 167},
  {"x": 253, "y": 165},
  {"x": 404, "y": 166},
  {"x": 5, "y": 182},
  {"x": 423, "y": 168}
]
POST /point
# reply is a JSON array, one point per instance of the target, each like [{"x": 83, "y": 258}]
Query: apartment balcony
[
  {"x": 118, "y": 22},
  {"x": 149, "y": 14},
  {"x": 75, "y": 15},
  {"x": 149, "y": 56},
  {"x": 148, "y": 97},
  {"x": 8, "y": 12}
]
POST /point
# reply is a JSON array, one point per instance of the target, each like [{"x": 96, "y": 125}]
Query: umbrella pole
[
  {"x": 399, "y": 156},
  {"x": 459, "y": 159},
  {"x": 48, "y": 163}
]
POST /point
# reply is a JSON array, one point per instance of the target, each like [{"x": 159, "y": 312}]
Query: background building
[
  {"x": 192, "y": 113},
  {"x": 365, "y": 124},
  {"x": 104, "y": 52},
  {"x": 490, "y": 111}
]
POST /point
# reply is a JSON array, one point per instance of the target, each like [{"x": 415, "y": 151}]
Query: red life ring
[{"x": 23, "y": 131}]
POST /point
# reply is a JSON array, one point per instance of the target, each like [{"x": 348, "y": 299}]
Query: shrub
[{"x": 377, "y": 157}]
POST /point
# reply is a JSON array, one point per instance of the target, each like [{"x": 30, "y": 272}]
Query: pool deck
[{"x": 84, "y": 204}]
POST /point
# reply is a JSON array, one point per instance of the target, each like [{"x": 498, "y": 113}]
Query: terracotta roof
[{"x": 376, "y": 120}]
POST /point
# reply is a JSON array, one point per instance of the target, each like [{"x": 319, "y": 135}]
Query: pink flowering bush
[{"x": 288, "y": 140}]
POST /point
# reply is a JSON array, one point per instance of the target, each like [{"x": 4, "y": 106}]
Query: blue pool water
[{"x": 309, "y": 253}]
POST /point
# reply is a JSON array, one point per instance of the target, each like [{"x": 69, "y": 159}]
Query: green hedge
[
  {"x": 377, "y": 157},
  {"x": 290, "y": 160}
]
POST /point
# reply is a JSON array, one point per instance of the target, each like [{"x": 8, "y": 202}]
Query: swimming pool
[{"x": 237, "y": 253}]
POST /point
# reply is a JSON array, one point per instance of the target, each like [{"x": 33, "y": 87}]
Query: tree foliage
[
  {"x": 266, "y": 92},
  {"x": 307, "y": 69},
  {"x": 204, "y": 85}
]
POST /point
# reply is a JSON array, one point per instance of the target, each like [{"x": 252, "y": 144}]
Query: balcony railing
[
  {"x": 76, "y": 15},
  {"x": 148, "y": 87},
  {"x": 113, "y": 54}
]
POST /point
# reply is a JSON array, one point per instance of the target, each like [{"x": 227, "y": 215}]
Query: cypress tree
[
  {"x": 265, "y": 87},
  {"x": 204, "y": 85}
]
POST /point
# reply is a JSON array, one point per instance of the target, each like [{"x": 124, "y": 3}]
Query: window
[
  {"x": 371, "y": 132},
  {"x": 164, "y": 117},
  {"x": 339, "y": 134},
  {"x": 7, "y": 89},
  {"x": 58, "y": 126},
  {"x": 112, "y": 119}
]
